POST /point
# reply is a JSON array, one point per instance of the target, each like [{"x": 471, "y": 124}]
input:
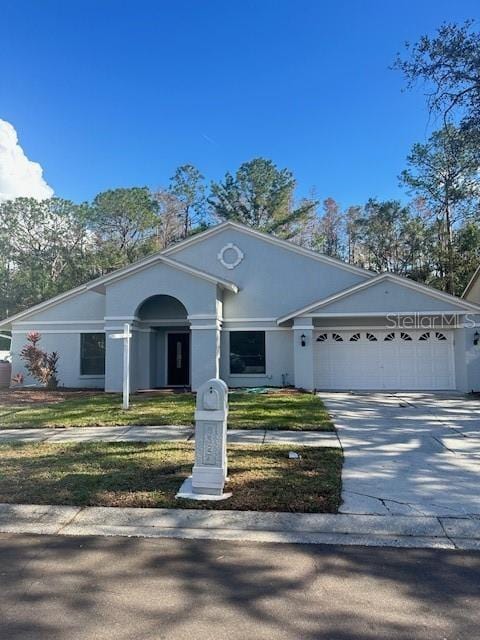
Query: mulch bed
[{"x": 31, "y": 396}]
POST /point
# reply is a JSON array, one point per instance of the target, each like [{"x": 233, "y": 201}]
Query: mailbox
[{"x": 210, "y": 469}]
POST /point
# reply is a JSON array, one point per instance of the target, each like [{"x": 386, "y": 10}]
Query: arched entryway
[{"x": 163, "y": 355}]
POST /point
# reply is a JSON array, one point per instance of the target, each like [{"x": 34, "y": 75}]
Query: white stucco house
[{"x": 257, "y": 311}]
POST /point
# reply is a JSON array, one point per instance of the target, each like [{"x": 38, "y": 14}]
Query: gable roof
[
  {"x": 286, "y": 244},
  {"x": 140, "y": 265},
  {"x": 429, "y": 291},
  {"x": 471, "y": 282},
  {"x": 98, "y": 285}
]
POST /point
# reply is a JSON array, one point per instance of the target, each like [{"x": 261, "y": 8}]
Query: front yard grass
[
  {"x": 274, "y": 410},
  {"x": 123, "y": 474}
]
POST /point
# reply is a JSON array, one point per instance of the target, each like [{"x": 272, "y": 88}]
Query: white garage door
[{"x": 379, "y": 359}]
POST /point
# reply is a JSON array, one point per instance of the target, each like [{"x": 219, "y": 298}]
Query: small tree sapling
[{"x": 42, "y": 366}]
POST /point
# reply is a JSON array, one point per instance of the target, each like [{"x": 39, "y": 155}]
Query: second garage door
[{"x": 384, "y": 359}]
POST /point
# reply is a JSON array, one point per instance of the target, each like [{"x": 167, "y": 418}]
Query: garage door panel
[{"x": 384, "y": 359}]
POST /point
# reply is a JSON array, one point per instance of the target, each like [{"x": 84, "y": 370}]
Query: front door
[{"x": 178, "y": 359}]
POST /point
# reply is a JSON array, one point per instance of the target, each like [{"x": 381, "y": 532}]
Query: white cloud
[{"x": 19, "y": 176}]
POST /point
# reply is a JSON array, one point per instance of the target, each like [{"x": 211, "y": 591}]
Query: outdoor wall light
[
  {"x": 303, "y": 340},
  {"x": 476, "y": 338}
]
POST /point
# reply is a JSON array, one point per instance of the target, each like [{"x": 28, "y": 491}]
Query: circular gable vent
[{"x": 230, "y": 256}]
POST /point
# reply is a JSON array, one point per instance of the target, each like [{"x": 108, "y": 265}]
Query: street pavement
[{"x": 98, "y": 588}]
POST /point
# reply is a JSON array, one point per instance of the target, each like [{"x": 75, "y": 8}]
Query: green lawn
[
  {"x": 275, "y": 410},
  {"x": 124, "y": 474}
]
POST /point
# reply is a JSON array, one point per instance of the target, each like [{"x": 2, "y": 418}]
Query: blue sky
[{"x": 110, "y": 93}]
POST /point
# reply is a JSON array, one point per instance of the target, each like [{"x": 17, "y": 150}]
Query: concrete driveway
[{"x": 408, "y": 453}]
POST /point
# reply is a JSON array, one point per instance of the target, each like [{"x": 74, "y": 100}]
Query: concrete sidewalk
[
  {"x": 358, "y": 530},
  {"x": 166, "y": 433}
]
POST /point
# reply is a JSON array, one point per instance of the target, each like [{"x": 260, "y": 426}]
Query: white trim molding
[
  {"x": 464, "y": 306},
  {"x": 205, "y": 326},
  {"x": 141, "y": 265},
  {"x": 383, "y": 314},
  {"x": 45, "y": 331},
  {"x": 35, "y": 322},
  {"x": 272, "y": 240},
  {"x": 249, "y": 319},
  {"x": 270, "y": 328}
]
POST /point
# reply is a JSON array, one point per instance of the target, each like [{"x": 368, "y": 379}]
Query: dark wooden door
[{"x": 178, "y": 359}]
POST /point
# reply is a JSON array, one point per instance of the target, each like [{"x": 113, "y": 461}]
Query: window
[
  {"x": 425, "y": 336},
  {"x": 322, "y": 337},
  {"x": 406, "y": 336},
  {"x": 337, "y": 337},
  {"x": 389, "y": 337},
  {"x": 371, "y": 337},
  {"x": 440, "y": 336},
  {"x": 92, "y": 354},
  {"x": 247, "y": 352},
  {"x": 355, "y": 337}
]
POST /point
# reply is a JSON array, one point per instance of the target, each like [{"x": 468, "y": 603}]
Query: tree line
[{"x": 49, "y": 246}]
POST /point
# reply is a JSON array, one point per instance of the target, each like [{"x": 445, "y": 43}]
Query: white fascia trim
[
  {"x": 273, "y": 240},
  {"x": 45, "y": 305},
  {"x": 47, "y": 322},
  {"x": 164, "y": 320},
  {"x": 320, "y": 303},
  {"x": 77, "y": 331},
  {"x": 364, "y": 285},
  {"x": 133, "y": 328},
  {"x": 384, "y": 314},
  {"x": 434, "y": 293},
  {"x": 196, "y": 238},
  {"x": 180, "y": 266},
  {"x": 203, "y": 316},
  {"x": 249, "y": 319},
  {"x": 205, "y": 326},
  {"x": 97, "y": 285},
  {"x": 265, "y": 329},
  {"x": 377, "y": 327}
]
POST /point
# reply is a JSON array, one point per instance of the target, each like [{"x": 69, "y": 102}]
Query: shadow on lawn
[
  {"x": 86, "y": 588},
  {"x": 262, "y": 478}
]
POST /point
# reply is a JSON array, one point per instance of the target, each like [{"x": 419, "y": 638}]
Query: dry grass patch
[{"x": 123, "y": 474}]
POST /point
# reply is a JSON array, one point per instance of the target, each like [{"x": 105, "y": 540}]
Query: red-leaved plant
[
  {"x": 18, "y": 378},
  {"x": 40, "y": 365}
]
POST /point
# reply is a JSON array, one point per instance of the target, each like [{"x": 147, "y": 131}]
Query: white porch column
[
  {"x": 303, "y": 355},
  {"x": 205, "y": 350},
  {"x": 143, "y": 359}
]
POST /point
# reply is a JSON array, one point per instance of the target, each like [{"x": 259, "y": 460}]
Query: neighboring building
[
  {"x": 472, "y": 290},
  {"x": 256, "y": 311}
]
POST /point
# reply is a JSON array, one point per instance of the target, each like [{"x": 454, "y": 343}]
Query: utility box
[{"x": 210, "y": 469}]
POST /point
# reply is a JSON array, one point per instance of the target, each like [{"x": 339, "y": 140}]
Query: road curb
[{"x": 426, "y": 532}]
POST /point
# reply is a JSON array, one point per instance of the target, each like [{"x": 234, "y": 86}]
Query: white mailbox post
[{"x": 210, "y": 468}]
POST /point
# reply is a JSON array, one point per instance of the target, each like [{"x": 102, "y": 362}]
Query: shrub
[
  {"x": 42, "y": 366},
  {"x": 18, "y": 378}
]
